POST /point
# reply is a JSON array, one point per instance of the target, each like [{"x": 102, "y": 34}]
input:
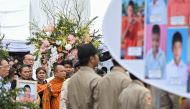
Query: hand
[{"x": 49, "y": 87}]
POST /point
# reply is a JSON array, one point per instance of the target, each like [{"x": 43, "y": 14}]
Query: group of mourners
[{"x": 79, "y": 86}]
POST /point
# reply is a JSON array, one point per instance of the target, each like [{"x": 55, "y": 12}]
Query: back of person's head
[
  {"x": 85, "y": 51},
  {"x": 177, "y": 37},
  {"x": 156, "y": 29},
  {"x": 69, "y": 62},
  {"x": 115, "y": 63}
]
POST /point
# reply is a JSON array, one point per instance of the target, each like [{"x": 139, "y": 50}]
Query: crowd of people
[{"x": 81, "y": 85}]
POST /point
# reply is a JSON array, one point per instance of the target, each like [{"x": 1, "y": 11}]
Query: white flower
[
  {"x": 68, "y": 47},
  {"x": 58, "y": 42},
  {"x": 48, "y": 33}
]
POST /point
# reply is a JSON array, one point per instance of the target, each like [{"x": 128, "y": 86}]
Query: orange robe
[
  {"x": 42, "y": 88},
  {"x": 130, "y": 37},
  {"x": 56, "y": 84}
]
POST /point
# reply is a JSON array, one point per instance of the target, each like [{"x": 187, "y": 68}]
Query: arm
[{"x": 146, "y": 100}]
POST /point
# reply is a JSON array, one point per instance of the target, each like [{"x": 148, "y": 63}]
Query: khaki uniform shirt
[
  {"x": 111, "y": 86},
  {"x": 169, "y": 101},
  {"x": 83, "y": 89},
  {"x": 135, "y": 96}
]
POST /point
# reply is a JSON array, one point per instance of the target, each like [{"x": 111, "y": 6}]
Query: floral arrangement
[{"x": 60, "y": 40}]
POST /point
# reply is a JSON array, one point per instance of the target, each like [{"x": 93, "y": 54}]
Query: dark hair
[
  {"x": 27, "y": 86},
  {"x": 40, "y": 68},
  {"x": 115, "y": 63},
  {"x": 104, "y": 69},
  {"x": 23, "y": 66},
  {"x": 67, "y": 62},
  {"x": 131, "y": 3},
  {"x": 133, "y": 77},
  {"x": 55, "y": 66},
  {"x": 100, "y": 72},
  {"x": 85, "y": 51},
  {"x": 77, "y": 64},
  {"x": 156, "y": 29},
  {"x": 17, "y": 67},
  {"x": 12, "y": 73},
  {"x": 177, "y": 37},
  {"x": 111, "y": 68}
]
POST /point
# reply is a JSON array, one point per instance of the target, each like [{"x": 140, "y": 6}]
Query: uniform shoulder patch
[{"x": 148, "y": 99}]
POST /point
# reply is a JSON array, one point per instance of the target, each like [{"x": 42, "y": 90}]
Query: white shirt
[
  {"x": 176, "y": 74},
  {"x": 157, "y": 12},
  {"x": 64, "y": 92}
]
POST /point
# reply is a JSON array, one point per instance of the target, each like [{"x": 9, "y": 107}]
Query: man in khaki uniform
[
  {"x": 111, "y": 86},
  {"x": 166, "y": 100},
  {"x": 135, "y": 96},
  {"x": 83, "y": 85},
  {"x": 169, "y": 101}
]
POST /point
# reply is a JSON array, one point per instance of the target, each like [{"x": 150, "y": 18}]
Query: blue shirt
[
  {"x": 176, "y": 74},
  {"x": 155, "y": 64},
  {"x": 157, "y": 12}
]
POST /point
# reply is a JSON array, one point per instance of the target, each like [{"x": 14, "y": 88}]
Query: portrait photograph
[
  {"x": 155, "y": 51},
  {"x": 176, "y": 68},
  {"x": 29, "y": 91},
  {"x": 132, "y": 29},
  {"x": 156, "y": 12},
  {"x": 178, "y": 16}
]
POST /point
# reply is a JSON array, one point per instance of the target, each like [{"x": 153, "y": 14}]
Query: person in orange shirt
[
  {"x": 43, "y": 88},
  {"x": 129, "y": 31},
  {"x": 56, "y": 85},
  {"x": 178, "y": 13}
]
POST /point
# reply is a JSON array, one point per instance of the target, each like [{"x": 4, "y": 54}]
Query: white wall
[{"x": 14, "y": 19}]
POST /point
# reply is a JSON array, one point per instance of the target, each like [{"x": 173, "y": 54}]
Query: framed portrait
[
  {"x": 155, "y": 51},
  {"x": 29, "y": 92},
  {"x": 132, "y": 30},
  {"x": 156, "y": 12},
  {"x": 176, "y": 64}
]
